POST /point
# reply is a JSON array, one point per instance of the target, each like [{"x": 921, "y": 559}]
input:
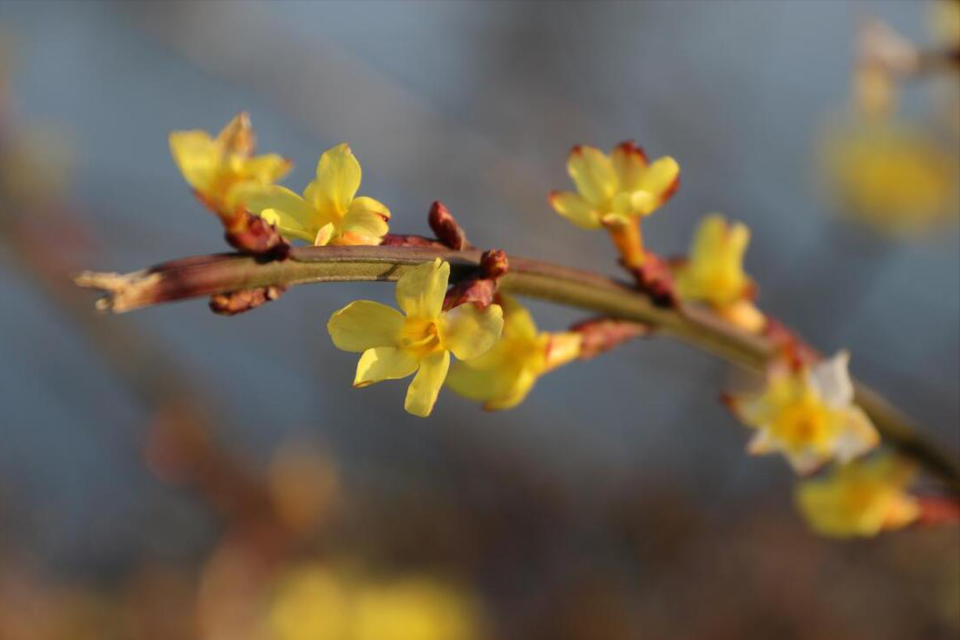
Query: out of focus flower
[
  {"x": 615, "y": 189},
  {"x": 894, "y": 177},
  {"x": 945, "y": 22},
  {"x": 217, "y": 168},
  {"x": 808, "y": 414},
  {"x": 329, "y": 212},
  {"x": 713, "y": 272},
  {"x": 862, "y": 498},
  {"x": 395, "y": 346},
  {"x": 502, "y": 377},
  {"x": 317, "y": 603}
]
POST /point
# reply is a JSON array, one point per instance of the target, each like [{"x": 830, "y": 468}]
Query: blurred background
[{"x": 174, "y": 474}]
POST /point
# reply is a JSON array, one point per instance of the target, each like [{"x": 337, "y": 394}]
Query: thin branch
[{"x": 223, "y": 273}]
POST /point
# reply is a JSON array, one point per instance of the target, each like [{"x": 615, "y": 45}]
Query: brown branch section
[{"x": 225, "y": 273}]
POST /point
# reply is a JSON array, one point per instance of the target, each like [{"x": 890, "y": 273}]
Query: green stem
[{"x": 207, "y": 275}]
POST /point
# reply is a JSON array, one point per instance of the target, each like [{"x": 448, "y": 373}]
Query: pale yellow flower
[
  {"x": 395, "y": 346},
  {"x": 808, "y": 415},
  {"x": 217, "y": 167},
  {"x": 862, "y": 498},
  {"x": 894, "y": 177},
  {"x": 329, "y": 212},
  {"x": 616, "y": 189},
  {"x": 502, "y": 377},
  {"x": 713, "y": 272}
]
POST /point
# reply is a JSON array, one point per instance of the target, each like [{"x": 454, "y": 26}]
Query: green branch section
[{"x": 224, "y": 273}]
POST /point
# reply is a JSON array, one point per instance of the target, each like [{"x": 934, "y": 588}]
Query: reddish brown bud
[
  {"x": 251, "y": 234},
  {"x": 234, "y": 302},
  {"x": 938, "y": 510},
  {"x": 494, "y": 264},
  {"x": 445, "y": 227},
  {"x": 602, "y": 334},
  {"x": 788, "y": 344},
  {"x": 480, "y": 289},
  {"x": 655, "y": 278}
]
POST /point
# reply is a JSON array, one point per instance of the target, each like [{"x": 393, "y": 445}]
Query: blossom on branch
[
  {"x": 713, "y": 272},
  {"x": 218, "y": 167},
  {"x": 807, "y": 413},
  {"x": 862, "y": 498},
  {"x": 614, "y": 189},
  {"x": 395, "y": 346},
  {"x": 502, "y": 377},
  {"x": 329, "y": 212}
]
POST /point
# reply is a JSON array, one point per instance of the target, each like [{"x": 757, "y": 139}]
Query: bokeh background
[{"x": 175, "y": 474}]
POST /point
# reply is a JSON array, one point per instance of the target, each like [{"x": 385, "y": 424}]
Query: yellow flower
[
  {"x": 315, "y": 602},
  {"x": 395, "y": 346},
  {"x": 714, "y": 272},
  {"x": 217, "y": 167},
  {"x": 329, "y": 212},
  {"x": 809, "y": 415},
  {"x": 892, "y": 176},
  {"x": 862, "y": 498},
  {"x": 503, "y": 376},
  {"x": 616, "y": 189},
  {"x": 414, "y": 609}
]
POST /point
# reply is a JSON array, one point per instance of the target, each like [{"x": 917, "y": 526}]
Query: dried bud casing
[
  {"x": 480, "y": 289},
  {"x": 235, "y": 302}
]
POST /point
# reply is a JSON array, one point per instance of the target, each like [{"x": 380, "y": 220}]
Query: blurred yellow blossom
[
  {"x": 944, "y": 20},
  {"x": 613, "y": 190},
  {"x": 329, "y": 212},
  {"x": 892, "y": 176},
  {"x": 395, "y": 346},
  {"x": 714, "y": 272},
  {"x": 217, "y": 167},
  {"x": 808, "y": 414},
  {"x": 319, "y": 603},
  {"x": 504, "y": 376},
  {"x": 862, "y": 498}
]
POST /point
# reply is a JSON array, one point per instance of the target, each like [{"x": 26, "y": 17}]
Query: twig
[{"x": 223, "y": 273}]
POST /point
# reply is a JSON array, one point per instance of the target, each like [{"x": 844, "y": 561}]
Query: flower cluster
[{"x": 806, "y": 410}]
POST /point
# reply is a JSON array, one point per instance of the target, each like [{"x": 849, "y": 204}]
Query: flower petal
[
  {"x": 237, "y": 137},
  {"x": 338, "y": 178},
  {"x": 517, "y": 321},
  {"x": 421, "y": 290},
  {"x": 629, "y": 163},
  {"x": 196, "y": 155},
  {"x": 573, "y": 207},
  {"x": 470, "y": 332},
  {"x": 422, "y": 392},
  {"x": 383, "y": 363},
  {"x": 265, "y": 169},
  {"x": 660, "y": 178},
  {"x": 365, "y": 324},
  {"x": 592, "y": 172},
  {"x": 365, "y": 217},
  {"x": 858, "y": 435},
  {"x": 831, "y": 379},
  {"x": 292, "y": 214}
]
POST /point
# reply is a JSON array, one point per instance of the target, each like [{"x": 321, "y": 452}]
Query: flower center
[
  {"x": 803, "y": 424},
  {"x": 420, "y": 337}
]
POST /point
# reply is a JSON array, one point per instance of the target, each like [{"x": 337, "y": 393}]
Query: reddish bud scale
[
  {"x": 395, "y": 240},
  {"x": 788, "y": 344},
  {"x": 602, "y": 334},
  {"x": 479, "y": 289},
  {"x": 938, "y": 510},
  {"x": 253, "y": 235},
  {"x": 236, "y": 302},
  {"x": 655, "y": 278},
  {"x": 445, "y": 227}
]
